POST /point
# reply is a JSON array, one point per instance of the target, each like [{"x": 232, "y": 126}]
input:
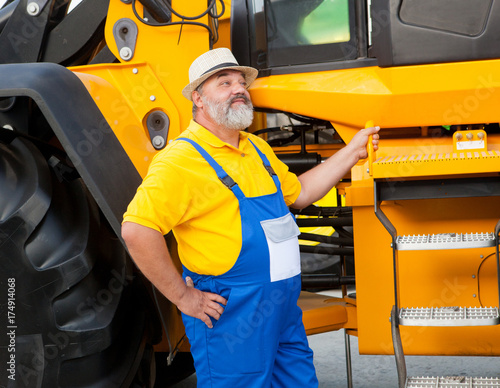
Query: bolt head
[
  {"x": 125, "y": 53},
  {"x": 152, "y": 98},
  {"x": 158, "y": 142},
  {"x": 33, "y": 9}
]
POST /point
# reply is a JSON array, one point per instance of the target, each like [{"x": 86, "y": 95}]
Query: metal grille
[
  {"x": 452, "y": 382},
  {"x": 445, "y": 241},
  {"x": 449, "y": 316}
]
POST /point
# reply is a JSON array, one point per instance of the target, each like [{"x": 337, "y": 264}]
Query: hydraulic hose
[
  {"x": 327, "y": 239},
  {"x": 326, "y": 250},
  {"x": 335, "y": 222},
  {"x": 326, "y": 281}
]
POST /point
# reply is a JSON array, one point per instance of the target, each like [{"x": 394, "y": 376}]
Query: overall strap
[
  {"x": 221, "y": 174},
  {"x": 267, "y": 165}
]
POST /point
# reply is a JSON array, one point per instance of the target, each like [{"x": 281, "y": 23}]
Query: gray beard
[{"x": 228, "y": 117}]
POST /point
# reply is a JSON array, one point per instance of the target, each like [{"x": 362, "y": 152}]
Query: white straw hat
[{"x": 212, "y": 62}]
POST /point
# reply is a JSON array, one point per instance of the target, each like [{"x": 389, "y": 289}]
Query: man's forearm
[{"x": 150, "y": 253}]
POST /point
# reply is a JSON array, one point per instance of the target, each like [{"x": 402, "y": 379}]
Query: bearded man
[{"x": 225, "y": 195}]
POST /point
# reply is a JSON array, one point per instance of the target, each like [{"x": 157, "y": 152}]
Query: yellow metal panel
[
  {"x": 405, "y": 96},
  {"x": 224, "y": 26},
  {"x": 152, "y": 79},
  {"x": 125, "y": 94},
  {"x": 359, "y": 195}
]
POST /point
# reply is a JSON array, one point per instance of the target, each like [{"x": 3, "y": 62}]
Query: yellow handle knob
[{"x": 369, "y": 145}]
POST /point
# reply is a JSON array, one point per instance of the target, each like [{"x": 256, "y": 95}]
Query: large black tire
[{"x": 67, "y": 294}]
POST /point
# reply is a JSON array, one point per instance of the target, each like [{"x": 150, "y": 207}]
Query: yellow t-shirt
[{"x": 182, "y": 193}]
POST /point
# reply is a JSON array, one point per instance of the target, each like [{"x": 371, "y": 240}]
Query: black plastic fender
[{"x": 87, "y": 138}]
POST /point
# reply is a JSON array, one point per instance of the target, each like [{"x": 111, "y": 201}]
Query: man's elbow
[
  {"x": 302, "y": 200},
  {"x": 129, "y": 232},
  {"x": 297, "y": 205},
  {"x": 137, "y": 234}
]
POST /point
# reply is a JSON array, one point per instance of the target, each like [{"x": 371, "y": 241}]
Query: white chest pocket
[{"x": 281, "y": 235}]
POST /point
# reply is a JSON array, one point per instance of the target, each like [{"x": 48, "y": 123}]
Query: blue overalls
[{"x": 259, "y": 340}]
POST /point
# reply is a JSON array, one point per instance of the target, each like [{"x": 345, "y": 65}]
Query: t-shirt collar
[{"x": 208, "y": 137}]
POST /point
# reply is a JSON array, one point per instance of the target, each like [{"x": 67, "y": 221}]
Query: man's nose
[{"x": 238, "y": 88}]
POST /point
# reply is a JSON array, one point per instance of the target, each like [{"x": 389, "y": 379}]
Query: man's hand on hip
[{"x": 200, "y": 304}]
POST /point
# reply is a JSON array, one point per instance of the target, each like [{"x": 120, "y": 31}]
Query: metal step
[
  {"x": 449, "y": 316},
  {"x": 445, "y": 163},
  {"x": 452, "y": 382},
  {"x": 445, "y": 241}
]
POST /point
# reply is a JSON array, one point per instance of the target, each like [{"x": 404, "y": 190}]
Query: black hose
[
  {"x": 300, "y": 163},
  {"x": 324, "y": 211},
  {"x": 327, "y": 239},
  {"x": 208, "y": 10},
  {"x": 279, "y": 142},
  {"x": 181, "y": 23},
  {"x": 267, "y": 130},
  {"x": 343, "y": 232},
  {"x": 326, "y": 250},
  {"x": 326, "y": 281},
  {"x": 306, "y": 119},
  {"x": 156, "y": 11},
  {"x": 337, "y": 221}
]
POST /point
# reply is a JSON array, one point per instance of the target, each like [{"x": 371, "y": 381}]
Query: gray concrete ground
[{"x": 379, "y": 371}]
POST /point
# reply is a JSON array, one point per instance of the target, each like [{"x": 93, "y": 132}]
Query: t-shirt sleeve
[{"x": 161, "y": 200}]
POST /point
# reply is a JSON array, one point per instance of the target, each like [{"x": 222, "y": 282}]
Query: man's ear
[{"x": 196, "y": 96}]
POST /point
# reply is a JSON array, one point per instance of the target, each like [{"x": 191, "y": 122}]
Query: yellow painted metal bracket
[
  {"x": 322, "y": 313},
  {"x": 470, "y": 140}
]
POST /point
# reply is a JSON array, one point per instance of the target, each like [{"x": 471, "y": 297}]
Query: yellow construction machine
[{"x": 90, "y": 91}]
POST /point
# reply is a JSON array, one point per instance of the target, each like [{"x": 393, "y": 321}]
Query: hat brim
[{"x": 249, "y": 72}]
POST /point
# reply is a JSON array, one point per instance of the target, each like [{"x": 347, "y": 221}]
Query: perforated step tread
[
  {"x": 445, "y": 241},
  {"x": 452, "y": 382},
  {"x": 449, "y": 316},
  {"x": 441, "y": 163}
]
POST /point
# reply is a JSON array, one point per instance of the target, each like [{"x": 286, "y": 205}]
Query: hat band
[{"x": 226, "y": 64}]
